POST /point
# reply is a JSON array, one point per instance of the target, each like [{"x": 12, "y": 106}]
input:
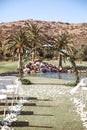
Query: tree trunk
[
  {"x": 75, "y": 70},
  {"x": 20, "y": 66},
  {"x": 19, "y": 61},
  {"x": 33, "y": 57},
  {"x": 60, "y": 62}
]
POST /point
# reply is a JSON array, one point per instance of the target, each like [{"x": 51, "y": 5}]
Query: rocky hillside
[{"x": 78, "y": 32}]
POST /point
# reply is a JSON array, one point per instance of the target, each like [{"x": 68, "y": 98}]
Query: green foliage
[
  {"x": 71, "y": 84},
  {"x": 35, "y": 38},
  {"x": 82, "y": 53},
  {"x": 26, "y": 81}
]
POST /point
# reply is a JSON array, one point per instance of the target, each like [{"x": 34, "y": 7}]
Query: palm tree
[
  {"x": 17, "y": 45},
  {"x": 62, "y": 43},
  {"x": 1, "y": 51},
  {"x": 35, "y": 36}
]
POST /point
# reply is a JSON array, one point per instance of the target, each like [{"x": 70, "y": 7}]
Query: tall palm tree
[
  {"x": 35, "y": 36},
  {"x": 62, "y": 43},
  {"x": 1, "y": 51},
  {"x": 17, "y": 45}
]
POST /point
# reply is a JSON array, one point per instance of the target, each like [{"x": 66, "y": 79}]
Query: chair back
[
  {"x": 83, "y": 82},
  {"x": 6, "y": 81},
  {"x": 2, "y": 86}
]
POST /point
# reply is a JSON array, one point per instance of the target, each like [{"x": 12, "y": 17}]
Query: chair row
[{"x": 9, "y": 86}]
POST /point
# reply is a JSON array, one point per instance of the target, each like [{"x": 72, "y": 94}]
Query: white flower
[
  {"x": 16, "y": 107},
  {"x": 10, "y": 117},
  {"x": 5, "y": 127}
]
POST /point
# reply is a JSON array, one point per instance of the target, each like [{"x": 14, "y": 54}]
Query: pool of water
[{"x": 65, "y": 76}]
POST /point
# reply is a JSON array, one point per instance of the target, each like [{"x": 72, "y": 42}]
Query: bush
[
  {"x": 71, "y": 83},
  {"x": 25, "y": 81}
]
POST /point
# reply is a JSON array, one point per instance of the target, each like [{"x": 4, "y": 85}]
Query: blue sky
[{"x": 72, "y": 11}]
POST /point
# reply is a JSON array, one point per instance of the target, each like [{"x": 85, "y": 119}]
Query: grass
[
  {"x": 49, "y": 107},
  {"x": 8, "y": 66},
  {"x": 12, "y": 65},
  {"x": 45, "y": 81},
  {"x": 80, "y": 65}
]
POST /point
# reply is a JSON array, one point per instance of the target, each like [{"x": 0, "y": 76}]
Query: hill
[{"x": 78, "y": 32}]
